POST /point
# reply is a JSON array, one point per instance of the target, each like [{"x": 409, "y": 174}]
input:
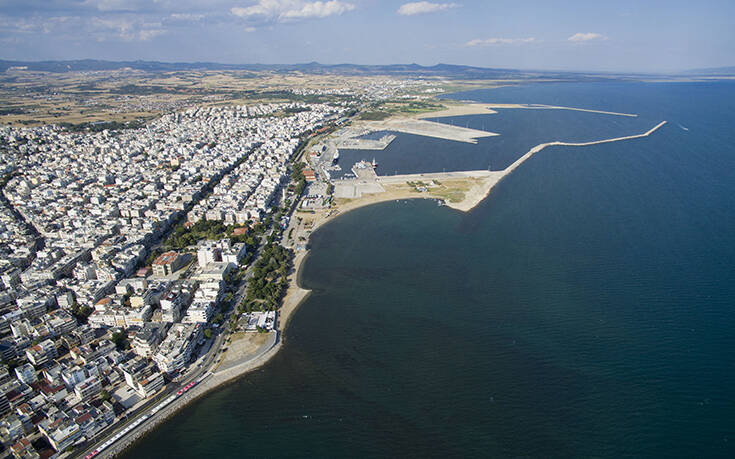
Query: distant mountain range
[{"x": 410, "y": 70}]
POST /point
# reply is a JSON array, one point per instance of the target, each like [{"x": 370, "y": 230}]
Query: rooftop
[{"x": 166, "y": 258}]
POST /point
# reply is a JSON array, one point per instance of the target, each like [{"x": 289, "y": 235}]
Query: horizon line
[{"x": 730, "y": 69}]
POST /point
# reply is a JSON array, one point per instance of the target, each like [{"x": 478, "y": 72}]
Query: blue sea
[{"x": 586, "y": 308}]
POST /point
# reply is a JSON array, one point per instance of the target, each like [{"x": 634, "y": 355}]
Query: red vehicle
[{"x": 91, "y": 455}]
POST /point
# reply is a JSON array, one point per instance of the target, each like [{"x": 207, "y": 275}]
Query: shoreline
[
  {"x": 476, "y": 185},
  {"x": 482, "y": 183}
]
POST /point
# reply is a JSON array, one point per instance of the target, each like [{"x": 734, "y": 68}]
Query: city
[
  {"x": 366, "y": 229},
  {"x": 125, "y": 257}
]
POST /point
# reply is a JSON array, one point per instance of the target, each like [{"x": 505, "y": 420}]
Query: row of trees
[
  {"x": 297, "y": 176},
  {"x": 182, "y": 237},
  {"x": 269, "y": 282},
  {"x": 101, "y": 126}
]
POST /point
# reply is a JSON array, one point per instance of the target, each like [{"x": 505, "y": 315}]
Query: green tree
[{"x": 120, "y": 338}]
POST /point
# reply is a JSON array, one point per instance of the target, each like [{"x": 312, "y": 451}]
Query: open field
[
  {"x": 242, "y": 345},
  {"x": 30, "y": 98},
  {"x": 427, "y": 129},
  {"x": 460, "y": 110}
]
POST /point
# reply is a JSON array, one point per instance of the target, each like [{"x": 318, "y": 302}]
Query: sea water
[{"x": 586, "y": 308}]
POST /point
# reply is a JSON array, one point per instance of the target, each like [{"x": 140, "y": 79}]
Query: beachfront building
[
  {"x": 146, "y": 340},
  {"x": 60, "y": 430},
  {"x": 175, "y": 351}
]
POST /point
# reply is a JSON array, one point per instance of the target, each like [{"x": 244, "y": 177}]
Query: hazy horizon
[
  {"x": 389, "y": 64},
  {"x": 627, "y": 37}
]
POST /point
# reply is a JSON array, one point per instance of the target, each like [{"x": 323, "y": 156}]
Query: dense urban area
[{"x": 127, "y": 256}]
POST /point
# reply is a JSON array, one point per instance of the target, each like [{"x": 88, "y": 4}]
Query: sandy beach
[{"x": 295, "y": 295}]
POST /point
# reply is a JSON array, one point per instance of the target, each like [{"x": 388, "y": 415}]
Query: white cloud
[
  {"x": 125, "y": 29},
  {"x": 292, "y": 10},
  {"x": 409, "y": 9},
  {"x": 499, "y": 41},
  {"x": 187, "y": 17},
  {"x": 115, "y": 5},
  {"x": 580, "y": 37}
]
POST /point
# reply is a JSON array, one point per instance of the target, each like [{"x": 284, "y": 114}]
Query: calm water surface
[{"x": 586, "y": 308}]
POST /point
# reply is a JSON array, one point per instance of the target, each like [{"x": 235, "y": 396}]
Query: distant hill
[{"x": 406, "y": 70}]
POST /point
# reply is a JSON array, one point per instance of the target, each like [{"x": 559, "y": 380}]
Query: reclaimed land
[
  {"x": 427, "y": 129},
  {"x": 461, "y": 190}
]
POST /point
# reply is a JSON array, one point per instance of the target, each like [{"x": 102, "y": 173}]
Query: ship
[
  {"x": 375, "y": 164},
  {"x": 335, "y": 158}
]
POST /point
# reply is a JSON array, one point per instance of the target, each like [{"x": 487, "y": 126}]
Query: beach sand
[
  {"x": 460, "y": 110},
  {"x": 295, "y": 295}
]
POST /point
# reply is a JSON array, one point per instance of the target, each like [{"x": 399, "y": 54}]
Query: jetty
[{"x": 477, "y": 183}]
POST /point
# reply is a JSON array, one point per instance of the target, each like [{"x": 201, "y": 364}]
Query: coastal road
[
  {"x": 193, "y": 373},
  {"x": 212, "y": 357},
  {"x": 150, "y": 404}
]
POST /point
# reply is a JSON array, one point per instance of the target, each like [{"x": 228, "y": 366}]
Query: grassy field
[{"x": 29, "y": 98}]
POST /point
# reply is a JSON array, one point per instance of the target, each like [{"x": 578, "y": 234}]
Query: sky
[{"x": 592, "y": 35}]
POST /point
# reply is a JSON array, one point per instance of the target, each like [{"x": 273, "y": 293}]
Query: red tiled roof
[
  {"x": 104, "y": 301},
  {"x": 166, "y": 258}
]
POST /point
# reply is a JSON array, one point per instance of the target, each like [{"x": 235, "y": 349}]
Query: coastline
[{"x": 478, "y": 184}]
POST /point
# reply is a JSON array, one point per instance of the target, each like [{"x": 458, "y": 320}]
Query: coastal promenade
[{"x": 217, "y": 379}]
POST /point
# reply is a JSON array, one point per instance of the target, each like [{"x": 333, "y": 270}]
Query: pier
[
  {"x": 477, "y": 184},
  {"x": 366, "y": 144}
]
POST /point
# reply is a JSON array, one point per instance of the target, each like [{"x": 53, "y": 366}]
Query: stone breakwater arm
[
  {"x": 540, "y": 147},
  {"x": 602, "y": 112},
  {"x": 478, "y": 184}
]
